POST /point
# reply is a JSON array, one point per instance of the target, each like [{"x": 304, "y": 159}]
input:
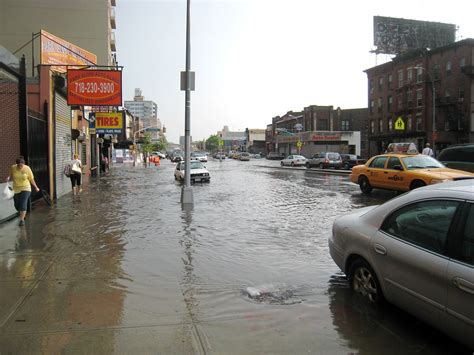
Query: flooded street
[{"x": 122, "y": 268}]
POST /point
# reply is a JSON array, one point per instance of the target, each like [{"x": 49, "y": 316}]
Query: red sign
[{"x": 94, "y": 87}]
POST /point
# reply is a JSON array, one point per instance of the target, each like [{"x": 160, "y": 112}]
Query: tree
[
  {"x": 147, "y": 146},
  {"x": 212, "y": 143},
  {"x": 162, "y": 145}
]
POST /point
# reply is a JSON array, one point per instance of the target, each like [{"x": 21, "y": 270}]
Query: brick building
[{"x": 403, "y": 88}]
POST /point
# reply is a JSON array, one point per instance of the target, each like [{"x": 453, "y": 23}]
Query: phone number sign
[{"x": 94, "y": 87}]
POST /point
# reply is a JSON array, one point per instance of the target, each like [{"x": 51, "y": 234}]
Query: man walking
[{"x": 427, "y": 150}]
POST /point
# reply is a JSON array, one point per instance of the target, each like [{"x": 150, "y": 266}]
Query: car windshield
[
  {"x": 298, "y": 157},
  {"x": 333, "y": 156},
  {"x": 421, "y": 162},
  {"x": 195, "y": 164}
]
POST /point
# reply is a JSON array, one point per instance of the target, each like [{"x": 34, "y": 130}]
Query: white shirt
[{"x": 427, "y": 151}]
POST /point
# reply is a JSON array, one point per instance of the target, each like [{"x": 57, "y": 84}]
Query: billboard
[
  {"x": 94, "y": 87},
  {"x": 55, "y": 51},
  {"x": 398, "y": 35},
  {"x": 106, "y": 123}
]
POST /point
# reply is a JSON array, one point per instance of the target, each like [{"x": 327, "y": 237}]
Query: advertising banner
[
  {"x": 106, "y": 123},
  {"x": 55, "y": 51},
  {"x": 94, "y": 87}
]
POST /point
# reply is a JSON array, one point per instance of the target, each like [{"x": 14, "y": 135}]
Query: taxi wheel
[
  {"x": 364, "y": 185},
  {"x": 292, "y": 164},
  {"x": 416, "y": 184}
]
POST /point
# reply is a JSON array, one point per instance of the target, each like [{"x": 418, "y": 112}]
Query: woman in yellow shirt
[{"x": 23, "y": 179}]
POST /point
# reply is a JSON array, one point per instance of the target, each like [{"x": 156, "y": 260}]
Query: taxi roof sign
[{"x": 402, "y": 148}]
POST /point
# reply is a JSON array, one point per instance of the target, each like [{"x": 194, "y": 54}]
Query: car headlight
[{"x": 438, "y": 181}]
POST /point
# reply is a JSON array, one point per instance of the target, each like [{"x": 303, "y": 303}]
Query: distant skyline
[{"x": 256, "y": 59}]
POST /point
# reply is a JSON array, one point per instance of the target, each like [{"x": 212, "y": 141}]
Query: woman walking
[
  {"x": 23, "y": 179},
  {"x": 76, "y": 175}
]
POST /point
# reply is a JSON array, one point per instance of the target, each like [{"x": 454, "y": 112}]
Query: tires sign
[{"x": 94, "y": 87}]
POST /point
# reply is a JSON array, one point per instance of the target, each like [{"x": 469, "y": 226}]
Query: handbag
[
  {"x": 8, "y": 192},
  {"x": 67, "y": 170}
]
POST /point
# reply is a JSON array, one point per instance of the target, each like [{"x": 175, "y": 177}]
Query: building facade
[
  {"x": 423, "y": 96},
  {"x": 89, "y": 24},
  {"x": 317, "y": 129},
  {"x": 146, "y": 111}
]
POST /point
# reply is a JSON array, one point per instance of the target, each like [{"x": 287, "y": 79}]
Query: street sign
[
  {"x": 399, "y": 124},
  {"x": 153, "y": 129}
]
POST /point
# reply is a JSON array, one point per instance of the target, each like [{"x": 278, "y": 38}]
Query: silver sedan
[
  {"x": 415, "y": 251},
  {"x": 294, "y": 160}
]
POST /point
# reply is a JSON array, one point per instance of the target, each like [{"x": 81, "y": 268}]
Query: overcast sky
[{"x": 256, "y": 59}]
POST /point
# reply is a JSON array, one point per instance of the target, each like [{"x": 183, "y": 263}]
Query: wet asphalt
[{"x": 123, "y": 268}]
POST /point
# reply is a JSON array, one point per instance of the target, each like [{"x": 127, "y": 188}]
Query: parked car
[
  {"x": 244, "y": 156},
  {"x": 199, "y": 173},
  {"x": 458, "y": 157},
  {"x": 274, "y": 156},
  {"x": 177, "y": 157},
  {"x": 403, "y": 172},
  {"x": 415, "y": 251},
  {"x": 325, "y": 160},
  {"x": 351, "y": 160},
  {"x": 219, "y": 156},
  {"x": 294, "y": 160}
]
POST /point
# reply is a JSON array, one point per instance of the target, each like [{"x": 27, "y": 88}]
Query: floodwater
[{"x": 123, "y": 268}]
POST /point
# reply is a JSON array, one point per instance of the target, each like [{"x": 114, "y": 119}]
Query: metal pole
[
  {"x": 434, "y": 117},
  {"x": 187, "y": 192}
]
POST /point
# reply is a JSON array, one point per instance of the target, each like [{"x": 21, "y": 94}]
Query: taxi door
[
  {"x": 393, "y": 177},
  {"x": 375, "y": 171}
]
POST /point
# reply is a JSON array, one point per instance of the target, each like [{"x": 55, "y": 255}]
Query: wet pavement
[{"x": 122, "y": 268}]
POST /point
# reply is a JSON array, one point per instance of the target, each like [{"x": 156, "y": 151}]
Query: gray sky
[{"x": 256, "y": 59}]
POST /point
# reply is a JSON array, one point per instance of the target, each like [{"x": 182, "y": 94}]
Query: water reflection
[{"x": 366, "y": 329}]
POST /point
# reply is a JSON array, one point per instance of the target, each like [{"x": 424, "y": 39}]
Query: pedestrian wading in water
[
  {"x": 76, "y": 174},
  {"x": 23, "y": 179}
]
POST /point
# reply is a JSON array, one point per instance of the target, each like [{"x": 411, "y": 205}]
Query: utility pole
[{"x": 187, "y": 84}]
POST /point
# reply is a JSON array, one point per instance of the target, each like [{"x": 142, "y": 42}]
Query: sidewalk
[{"x": 67, "y": 286}]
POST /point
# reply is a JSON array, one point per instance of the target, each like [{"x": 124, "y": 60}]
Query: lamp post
[{"x": 433, "y": 135}]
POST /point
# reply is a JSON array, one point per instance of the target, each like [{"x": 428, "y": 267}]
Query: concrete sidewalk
[{"x": 64, "y": 287}]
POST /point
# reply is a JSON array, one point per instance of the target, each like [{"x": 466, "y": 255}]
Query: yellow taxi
[{"x": 403, "y": 172}]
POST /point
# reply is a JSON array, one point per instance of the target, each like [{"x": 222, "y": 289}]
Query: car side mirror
[{"x": 398, "y": 167}]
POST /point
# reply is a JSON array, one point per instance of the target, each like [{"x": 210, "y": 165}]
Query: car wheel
[
  {"x": 321, "y": 166},
  {"x": 363, "y": 281},
  {"x": 307, "y": 165},
  {"x": 346, "y": 166},
  {"x": 416, "y": 184},
  {"x": 281, "y": 163},
  {"x": 364, "y": 185},
  {"x": 292, "y": 164}
]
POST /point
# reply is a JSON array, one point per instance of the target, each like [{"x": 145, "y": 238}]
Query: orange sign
[
  {"x": 94, "y": 87},
  {"x": 55, "y": 51}
]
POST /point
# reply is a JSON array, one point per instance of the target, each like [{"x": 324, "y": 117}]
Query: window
[
  {"x": 380, "y": 82},
  {"x": 410, "y": 123},
  {"x": 379, "y": 104},
  {"x": 419, "y": 97},
  {"x": 461, "y": 94},
  {"x": 419, "y": 122},
  {"x": 399, "y": 102},
  {"x": 462, "y": 64},
  {"x": 409, "y": 98},
  {"x": 448, "y": 68},
  {"x": 419, "y": 74},
  {"x": 389, "y": 103},
  {"x": 425, "y": 224},
  {"x": 409, "y": 75},
  {"x": 378, "y": 162},
  {"x": 344, "y": 125},
  {"x": 393, "y": 161},
  {"x": 372, "y": 127},
  {"x": 400, "y": 78},
  {"x": 390, "y": 124},
  {"x": 389, "y": 80},
  {"x": 380, "y": 126},
  {"x": 372, "y": 104},
  {"x": 447, "y": 93},
  {"x": 436, "y": 72},
  {"x": 467, "y": 239},
  {"x": 371, "y": 86}
]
